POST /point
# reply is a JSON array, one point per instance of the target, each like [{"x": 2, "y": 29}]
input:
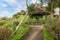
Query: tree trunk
[
  {"x": 52, "y": 8},
  {"x": 36, "y": 3},
  {"x": 59, "y": 11}
]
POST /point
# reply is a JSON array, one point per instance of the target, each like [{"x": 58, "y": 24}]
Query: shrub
[
  {"x": 1, "y": 23},
  {"x": 46, "y": 35},
  {"x": 15, "y": 23},
  {"x": 52, "y": 26},
  {"x": 5, "y": 34},
  {"x": 33, "y": 20},
  {"x": 42, "y": 20},
  {"x": 20, "y": 33}
]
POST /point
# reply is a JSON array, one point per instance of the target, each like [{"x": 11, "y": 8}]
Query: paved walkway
[{"x": 35, "y": 33}]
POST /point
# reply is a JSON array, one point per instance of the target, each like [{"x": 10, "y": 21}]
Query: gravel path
[{"x": 35, "y": 33}]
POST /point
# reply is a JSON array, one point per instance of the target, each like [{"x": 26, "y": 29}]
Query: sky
[{"x": 10, "y": 7}]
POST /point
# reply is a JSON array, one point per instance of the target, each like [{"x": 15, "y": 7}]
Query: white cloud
[
  {"x": 3, "y": 5},
  {"x": 17, "y": 6},
  {"x": 34, "y": 1},
  {"x": 5, "y": 14},
  {"x": 18, "y": 9},
  {"x": 14, "y": 3},
  {"x": 11, "y": 1}
]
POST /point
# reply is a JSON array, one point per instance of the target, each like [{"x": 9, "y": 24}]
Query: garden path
[{"x": 35, "y": 33}]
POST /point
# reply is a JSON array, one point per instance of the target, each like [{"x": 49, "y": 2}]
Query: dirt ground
[{"x": 35, "y": 33}]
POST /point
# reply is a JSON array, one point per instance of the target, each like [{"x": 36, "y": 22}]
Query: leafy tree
[
  {"x": 31, "y": 9},
  {"x": 51, "y": 4},
  {"x": 4, "y": 18},
  {"x": 17, "y": 15}
]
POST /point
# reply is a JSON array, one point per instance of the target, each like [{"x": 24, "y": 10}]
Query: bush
[
  {"x": 52, "y": 26},
  {"x": 1, "y": 23},
  {"x": 46, "y": 35},
  {"x": 15, "y": 23},
  {"x": 5, "y": 34},
  {"x": 42, "y": 20},
  {"x": 33, "y": 20},
  {"x": 20, "y": 33}
]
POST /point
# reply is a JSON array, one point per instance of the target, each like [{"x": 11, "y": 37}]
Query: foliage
[
  {"x": 20, "y": 33},
  {"x": 42, "y": 19},
  {"x": 39, "y": 20},
  {"x": 51, "y": 4},
  {"x": 46, "y": 35},
  {"x": 15, "y": 23},
  {"x": 8, "y": 23},
  {"x": 4, "y": 18},
  {"x": 53, "y": 27},
  {"x": 1, "y": 23},
  {"x": 33, "y": 20},
  {"x": 17, "y": 15},
  {"x": 26, "y": 20},
  {"x": 20, "y": 18},
  {"x": 31, "y": 9},
  {"x": 5, "y": 34}
]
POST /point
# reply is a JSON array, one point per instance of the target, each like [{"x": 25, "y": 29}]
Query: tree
[
  {"x": 51, "y": 4},
  {"x": 4, "y": 18},
  {"x": 36, "y": 3},
  {"x": 31, "y": 9},
  {"x": 58, "y": 4}
]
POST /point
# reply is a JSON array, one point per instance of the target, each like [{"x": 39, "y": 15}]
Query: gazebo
[
  {"x": 38, "y": 15},
  {"x": 39, "y": 12}
]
